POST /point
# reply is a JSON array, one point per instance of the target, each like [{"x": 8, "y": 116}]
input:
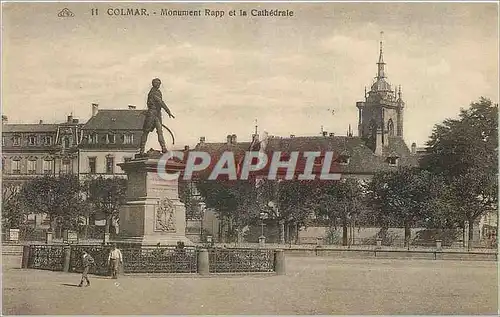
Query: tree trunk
[
  {"x": 344, "y": 231},
  {"x": 108, "y": 223},
  {"x": 407, "y": 233},
  {"x": 471, "y": 230}
]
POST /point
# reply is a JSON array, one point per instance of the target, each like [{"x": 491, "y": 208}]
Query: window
[
  {"x": 16, "y": 140},
  {"x": 3, "y": 141},
  {"x": 128, "y": 138},
  {"x": 32, "y": 166},
  {"x": 16, "y": 166},
  {"x": 48, "y": 166},
  {"x": 390, "y": 127},
  {"x": 3, "y": 164},
  {"x": 93, "y": 138},
  {"x": 32, "y": 140},
  {"x": 47, "y": 140},
  {"x": 110, "y": 164},
  {"x": 111, "y": 138},
  {"x": 393, "y": 161},
  {"x": 66, "y": 166},
  {"x": 67, "y": 141},
  {"x": 344, "y": 160},
  {"x": 92, "y": 165}
]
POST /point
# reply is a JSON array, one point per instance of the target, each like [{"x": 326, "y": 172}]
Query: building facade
[
  {"x": 109, "y": 137},
  {"x": 32, "y": 150}
]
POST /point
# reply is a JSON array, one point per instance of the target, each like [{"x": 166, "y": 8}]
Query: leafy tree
[
  {"x": 12, "y": 210},
  {"x": 293, "y": 202},
  {"x": 464, "y": 152},
  {"x": 58, "y": 197},
  {"x": 191, "y": 202},
  {"x": 106, "y": 195},
  {"x": 341, "y": 199},
  {"x": 234, "y": 201},
  {"x": 405, "y": 197}
]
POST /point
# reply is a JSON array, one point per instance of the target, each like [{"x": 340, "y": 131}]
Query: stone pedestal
[{"x": 153, "y": 212}]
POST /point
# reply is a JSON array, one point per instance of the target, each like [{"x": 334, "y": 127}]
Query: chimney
[
  {"x": 414, "y": 148},
  {"x": 40, "y": 122},
  {"x": 202, "y": 139},
  {"x": 131, "y": 107},
  {"x": 70, "y": 118},
  {"x": 233, "y": 139},
  {"x": 325, "y": 133},
  {"x": 186, "y": 147},
  {"x": 75, "y": 120},
  {"x": 95, "y": 109},
  {"x": 5, "y": 119},
  {"x": 332, "y": 134}
]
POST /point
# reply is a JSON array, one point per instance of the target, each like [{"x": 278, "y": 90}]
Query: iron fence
[
  {"x": 46, "y": 257},
  {"x": 143, "y": 259},
  {"x": 240, "y": 260}
]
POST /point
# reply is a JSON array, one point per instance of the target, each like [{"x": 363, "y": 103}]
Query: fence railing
[
  {"x": 240, "y": 260},
  {"x": 46, "y": 257},
  {"x": 151, "y": 259}
]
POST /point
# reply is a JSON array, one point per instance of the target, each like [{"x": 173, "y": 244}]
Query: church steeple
[
  {"x": 380, "y": 115},
  {"x": 381, "y": 64}
]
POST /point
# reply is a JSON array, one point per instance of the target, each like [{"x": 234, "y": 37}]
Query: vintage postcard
[{"x": 249, "y": 158}]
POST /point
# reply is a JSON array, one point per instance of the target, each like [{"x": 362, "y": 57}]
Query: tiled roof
[
  {"x": 27, "y": 128},
  {"x": 362, "y": 160},
  {"x": 116, "y": 120}
]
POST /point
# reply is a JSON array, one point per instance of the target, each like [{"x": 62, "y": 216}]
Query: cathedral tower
[{"x": 380, "y": 115}]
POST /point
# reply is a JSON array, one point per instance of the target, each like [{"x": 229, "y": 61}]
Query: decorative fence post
[
  {"x": 26, "y": 256},
  {"x": 67, "y": 258},
  {"x": 48, "y": 237},
  {"x": 279, "y": 262},
  {"x": 203, "y": 262},
  {"x": 379, "y": 244},
  {"x": 439, "y": 245}
]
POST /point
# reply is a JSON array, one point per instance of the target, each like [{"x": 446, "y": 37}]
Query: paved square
[{"x": 312, "y": 286}]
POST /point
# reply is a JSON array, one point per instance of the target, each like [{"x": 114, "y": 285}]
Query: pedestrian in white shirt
[{"x": 114, "y": 259}]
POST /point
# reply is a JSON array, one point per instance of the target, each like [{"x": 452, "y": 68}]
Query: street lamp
[{"x": 203, "y": 207}]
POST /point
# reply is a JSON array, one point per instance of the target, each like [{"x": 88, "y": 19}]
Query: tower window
[
  {"x": 16, "y": 166},
  {"x": 390, "y": 127}
]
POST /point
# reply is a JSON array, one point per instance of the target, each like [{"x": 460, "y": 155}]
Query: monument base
[{"x": 153, "y": 212}]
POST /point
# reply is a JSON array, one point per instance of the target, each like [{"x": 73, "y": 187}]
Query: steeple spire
[{"x": 381, "y": 71}]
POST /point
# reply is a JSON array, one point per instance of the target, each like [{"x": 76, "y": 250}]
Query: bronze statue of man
[{"x": 153, "y": 116}]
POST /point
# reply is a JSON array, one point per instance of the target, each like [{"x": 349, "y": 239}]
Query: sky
[{"x": 219, "y": 75}]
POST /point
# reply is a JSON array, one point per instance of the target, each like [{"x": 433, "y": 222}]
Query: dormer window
[
  {"x": 93, "y": 138},
  {"x": 128, "y": 138},
  {"x": 16, "y": 140},
  {"x": 47, "y": 140},
  {"x": 344, "y": 158},
  {"x": 110, "y": 138},
  {"x": 392, "y": 159},
  {"x": 32, "y": 140}
]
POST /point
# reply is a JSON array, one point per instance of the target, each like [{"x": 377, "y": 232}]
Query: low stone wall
[
  {"x": 155, "y": 259},
  {"x": 393, "y": 254}
]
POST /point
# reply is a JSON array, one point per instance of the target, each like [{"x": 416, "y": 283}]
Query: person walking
[
  {"x": 114, "y": 259},
  {"x": 87, "y": 261}
]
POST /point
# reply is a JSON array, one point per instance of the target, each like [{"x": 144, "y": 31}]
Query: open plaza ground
[{"x": 312, "y": 285}]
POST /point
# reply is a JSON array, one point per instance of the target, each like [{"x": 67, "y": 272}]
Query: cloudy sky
[{"x": 220, "y": 74}]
